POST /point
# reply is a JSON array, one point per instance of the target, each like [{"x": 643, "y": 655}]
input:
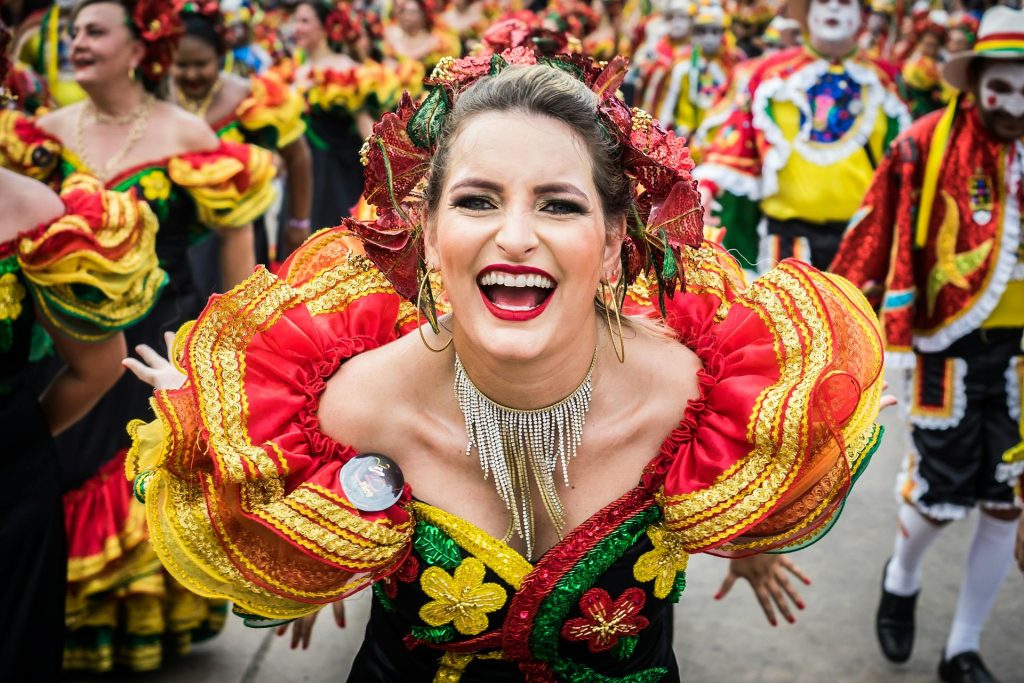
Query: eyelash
[{"x": 568, "y": 207}]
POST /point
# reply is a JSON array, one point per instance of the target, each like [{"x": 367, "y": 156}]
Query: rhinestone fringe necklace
[{"x": 513, "y": 444}]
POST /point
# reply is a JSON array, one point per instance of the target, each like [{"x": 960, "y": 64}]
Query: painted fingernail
[
  {"x": 791, "y": 620},
  {"x": 718, "y": 596},
  {"x": 774, "y": 623},
  {"x": 799, "y": 604}
]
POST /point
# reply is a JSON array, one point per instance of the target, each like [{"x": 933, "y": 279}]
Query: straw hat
[{"x": 1001, "y": 36}]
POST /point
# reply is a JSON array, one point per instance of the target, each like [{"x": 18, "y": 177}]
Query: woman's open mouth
[{"x": 515, "y": 293}]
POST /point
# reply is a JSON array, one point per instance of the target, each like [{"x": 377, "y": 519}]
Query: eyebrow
[{"x": 547, "y": 188}]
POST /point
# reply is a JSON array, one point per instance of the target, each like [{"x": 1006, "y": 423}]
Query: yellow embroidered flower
[
  {"x": 463, "y": 599},
  {"x": 663, "y": 563},
  {"x": 155, "y": 186},
  {"x": 11, "y": 295}
]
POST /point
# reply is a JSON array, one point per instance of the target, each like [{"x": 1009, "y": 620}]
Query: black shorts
[
  {"x": 965, "y": 408},
  {"x": 814, "y": 243}
]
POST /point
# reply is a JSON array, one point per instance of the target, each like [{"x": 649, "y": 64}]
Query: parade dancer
[
  {"x": 937, "y": 244},
  {"x": 799, "y": 149}
]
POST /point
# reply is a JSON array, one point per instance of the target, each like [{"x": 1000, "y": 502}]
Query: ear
[
  {"x": 614, "y": 236},
  {"x": 137, "y": 53},
  {"x": 430, "y": 252}
]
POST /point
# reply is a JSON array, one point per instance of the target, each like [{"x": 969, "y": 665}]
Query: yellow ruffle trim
[{"x": 228, "y": 192}]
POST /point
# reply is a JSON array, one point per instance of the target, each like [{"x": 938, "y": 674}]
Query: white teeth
[{"x": 496, "y": 277}]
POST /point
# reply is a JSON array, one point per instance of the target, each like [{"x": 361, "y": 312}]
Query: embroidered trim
[
  {"x": 951, "y": 411},
  {"x": 1003, "y": 264}
]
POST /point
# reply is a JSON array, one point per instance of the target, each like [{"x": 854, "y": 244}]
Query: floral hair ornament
[
  {"x": 664, "y": 216},
  {"x": 209, "y": 10},
  {"x": 159, "y": 27},
  {"x": 342, "y": 25}
]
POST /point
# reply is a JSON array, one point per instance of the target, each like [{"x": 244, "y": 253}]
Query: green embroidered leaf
[
  {"x": 434, "y": 634},
  {"x": 623, "y": 649},
  {"x": 425, "y": 125},
  {"x": 669, "y": 270},
  {"x": 678, "y": 588},
  {"x": 385, "y": 602},
  {"x": 436, "y": 547},
  {"x": 579, "y": 673}
]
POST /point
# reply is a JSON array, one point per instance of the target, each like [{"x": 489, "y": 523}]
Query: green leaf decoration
[
  {"x": 498, "y": 65},
  {"x": 669, "y": 269},
  {"x": 426, "y": 124},
  {"x": 678, "y": 588},
  {"x": 387, "y": 603},
  {"x": 436, "y": 547},
  {"x": 623, "y": 649},
  {"x": 564, "y": 66},
  {"x": 434, "y": 634}
]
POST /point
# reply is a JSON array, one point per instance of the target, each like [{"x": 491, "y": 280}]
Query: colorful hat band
[{"x": 1001, "y": 42}]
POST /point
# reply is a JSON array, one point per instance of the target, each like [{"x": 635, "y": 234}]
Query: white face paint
[
  {"x": 708, "y": 39},
  {"x": 1002, "y": 87},
  {"x": 677, "y": 18},
  {"x": 833, "y": 22}
]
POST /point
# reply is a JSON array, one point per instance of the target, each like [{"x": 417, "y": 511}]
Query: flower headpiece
[
  {"x": 524, "y": 28},
  {"x": 343, "y": 25},
  {"x": 209, "y": 10},
  {"x": 665, "y": 214},
  {"x": 159, "y": 27}
]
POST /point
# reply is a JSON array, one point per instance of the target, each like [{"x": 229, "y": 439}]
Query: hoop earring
[
  {"x": 611, "y": 294},
  {"x": 425, "y": 280},
  {"x": 131, "y": 73}
]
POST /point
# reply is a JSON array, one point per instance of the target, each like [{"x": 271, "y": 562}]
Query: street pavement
[{"x": 726, "y": 641}]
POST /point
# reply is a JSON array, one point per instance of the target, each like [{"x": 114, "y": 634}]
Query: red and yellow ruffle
[
  {"x": 25, "y": 148},
  {"x": 94, "y": 271},
  {"x": 231, "y": 185},
  {"x": 272, "y": 104}
]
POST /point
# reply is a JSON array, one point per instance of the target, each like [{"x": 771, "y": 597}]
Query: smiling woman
[{"x": 516, "y": 194}]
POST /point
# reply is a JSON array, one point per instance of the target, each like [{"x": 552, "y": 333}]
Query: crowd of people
[{"x": 668, "y": 248}]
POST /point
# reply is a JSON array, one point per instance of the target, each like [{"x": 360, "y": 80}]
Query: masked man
[
  {"x": 938, "y": 243},
  {"x": 800, "y": 146}
]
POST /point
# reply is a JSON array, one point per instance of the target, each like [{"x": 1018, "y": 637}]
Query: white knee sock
[
  {"x": 988, "y": 561},
  {"x": 915, "y": 535}
]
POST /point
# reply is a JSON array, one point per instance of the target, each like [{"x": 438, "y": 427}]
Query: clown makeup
[
  {"x": 833, "y": 25},
  {"x": 1001, "y": 98},
  {"x": 708, "y": 38},
  {"x": 677, "y": 18}
]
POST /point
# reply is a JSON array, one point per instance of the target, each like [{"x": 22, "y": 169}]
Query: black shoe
[
  {"x": 894, "y": 623},
  {"x": 966, "y": 667}
]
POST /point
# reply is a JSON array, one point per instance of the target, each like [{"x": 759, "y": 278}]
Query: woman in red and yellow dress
[
  {"x": 260, "y": 110},
  {"x": 193, "y": 182},
  {"x": 314, "y": 436},
  {"x": 81, "y": 265}
]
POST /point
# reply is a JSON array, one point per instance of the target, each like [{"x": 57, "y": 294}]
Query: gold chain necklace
[
  {"x": 515, "y": 444},
  {"x": 199, "y": 107},
  {"x": 137, "y": 117}
]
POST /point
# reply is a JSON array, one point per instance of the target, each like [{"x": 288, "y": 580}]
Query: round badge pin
[{"x": 372, "y": 482}]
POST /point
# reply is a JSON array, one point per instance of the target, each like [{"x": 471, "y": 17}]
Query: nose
[{"x": 516, "y": 238}]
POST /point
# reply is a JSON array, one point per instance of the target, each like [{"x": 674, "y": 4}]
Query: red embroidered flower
[
  {"x": 342, "y": 25},
  {"x": 603, "y": 621}
]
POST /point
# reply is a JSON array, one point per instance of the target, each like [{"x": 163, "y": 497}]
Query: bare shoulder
[
  {"x": 29, "y": 204},
  {"x": 190, "y": 133},
  {"x": 60, "y": 122},
  {"x": 369, "y": 392}
]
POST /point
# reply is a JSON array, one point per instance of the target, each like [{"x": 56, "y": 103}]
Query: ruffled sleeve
[
  {"x": 27, "y": 149},
  {"x": 94, "y": 271},
  {"x": 272, "y": 113},
  {"x": 230, "y": 185},
  {"x": 240, "y": 486},
  {"x": 784, "y": 422}
]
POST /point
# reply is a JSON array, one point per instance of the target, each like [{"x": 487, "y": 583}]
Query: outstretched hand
[
  {"x": 155, "y": 370},
  {"x": 767, "y": 575},
  {"x": 302, "y": 628}
]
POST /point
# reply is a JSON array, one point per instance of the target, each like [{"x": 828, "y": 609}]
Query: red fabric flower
[
  {"x": 159, "y": 26},
  {"x": 342, "y": 25},
  {"x": 603, "y": 621}
]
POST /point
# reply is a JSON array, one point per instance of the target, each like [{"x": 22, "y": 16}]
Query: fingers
[
  {"x": 795, "y": 571},
  {"x": 283, "y": 629},
  {"x": 790, "y": 591},
  {"x": 339, "y": 614},
  {"x": 888, "y": 401},
  {"x": 764, "y": 598},
  {"x": 780, "y": 600},
  {"x": 140, "y": 370},
  {"x": 726, "y": 586},
  {"x": 149, "y": 356},
  {"x": 169, "y": 343}
]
